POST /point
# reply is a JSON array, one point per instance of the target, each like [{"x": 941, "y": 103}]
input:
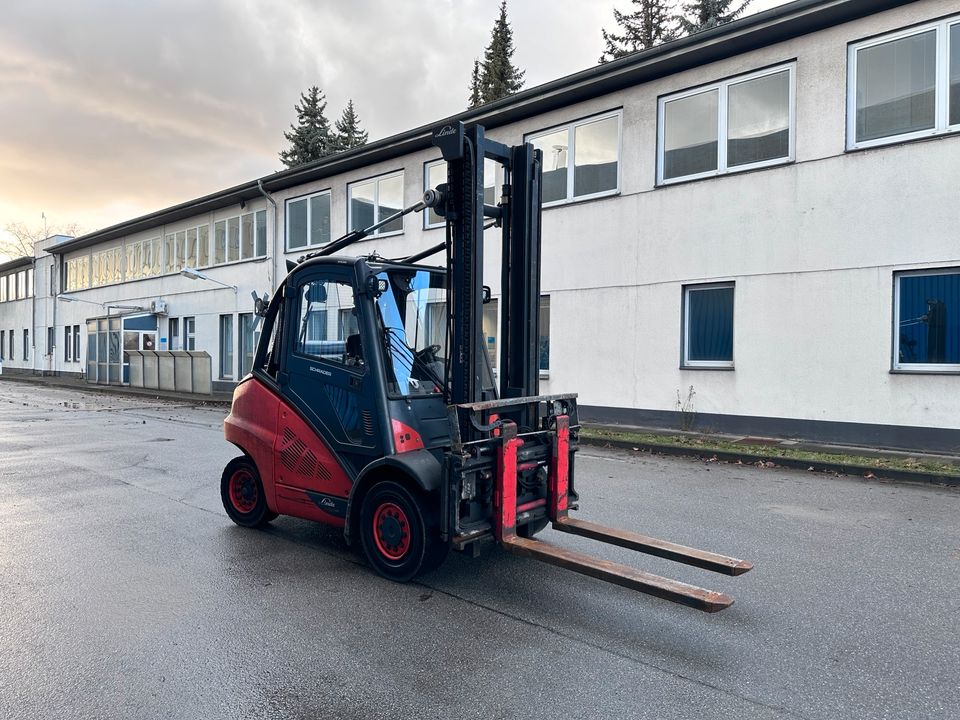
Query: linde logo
[
  {"x": 322, "y": 372},
  {"x": 327, "y": 502},
  {"x": 446, "y": 130}
]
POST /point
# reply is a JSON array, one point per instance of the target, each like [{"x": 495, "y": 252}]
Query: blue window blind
[
  {"x": 929, "y": 319},
  {"x": 710, "y": 324}
]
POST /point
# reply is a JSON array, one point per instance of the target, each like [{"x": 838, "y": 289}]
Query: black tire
[
  {"x": 532, "y": 528},
  {"x": 242, "y": 494},
  {"x": 399, "y": 533}
]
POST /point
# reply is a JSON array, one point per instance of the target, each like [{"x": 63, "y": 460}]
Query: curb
[
  {"x": 752, "y": 458},
  {"x": 114, "y": 390}
]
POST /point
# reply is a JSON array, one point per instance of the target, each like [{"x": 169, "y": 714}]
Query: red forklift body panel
[
  {"x": 300, "y": 475},
  {"x": 252, "y": 427}
]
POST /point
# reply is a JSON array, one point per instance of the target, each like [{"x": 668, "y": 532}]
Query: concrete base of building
[{"x": 891, "y": 437}]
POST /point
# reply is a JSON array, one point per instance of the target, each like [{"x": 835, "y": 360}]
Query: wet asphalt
[{"x": 125, "y": 592}]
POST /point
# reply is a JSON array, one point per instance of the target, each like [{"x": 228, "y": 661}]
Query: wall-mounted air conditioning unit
[{"x": 158, "y": 307}]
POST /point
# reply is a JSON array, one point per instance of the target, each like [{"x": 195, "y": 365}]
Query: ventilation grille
[
  {"x": 292, "y": 451},
  {"x": 296, "y": 458},
  {"x": 367, "y": 420}
]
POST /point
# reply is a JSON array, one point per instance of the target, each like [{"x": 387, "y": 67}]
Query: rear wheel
[
  {"x": 242, "y": 494},
  {"x": 399, "y": 533}
]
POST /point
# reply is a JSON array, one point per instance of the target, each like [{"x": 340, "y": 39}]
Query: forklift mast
[{"x": 518, "y": 217}]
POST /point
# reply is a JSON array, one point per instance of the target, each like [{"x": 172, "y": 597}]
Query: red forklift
[{"x": 372, "y": 404}]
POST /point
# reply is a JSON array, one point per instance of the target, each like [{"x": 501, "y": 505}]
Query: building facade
[{"x": 749, "y": 230}]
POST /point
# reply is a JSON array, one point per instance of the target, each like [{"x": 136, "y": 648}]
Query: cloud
[{"x": 114, "y": 108}]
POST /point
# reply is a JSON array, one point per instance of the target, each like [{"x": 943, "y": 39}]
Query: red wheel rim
[
  {"x": 243, "y": 491},
  {"x": 391, "y": 531}
]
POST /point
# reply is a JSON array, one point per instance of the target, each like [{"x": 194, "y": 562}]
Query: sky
[{"x": 110, "y": 109}]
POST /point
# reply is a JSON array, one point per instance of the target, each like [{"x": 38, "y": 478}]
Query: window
[
  {"x": 233, "y": 239},
  {"x": 21, "y": 285},
  {"x": 927, "y": 320},
  {"x": 67, "y": 343},
  {"x": 51, "y": 340},
  {"x": 26, "y": 344},
  {"x": 260, "y": 246},
  {"x": 77, "y": 273},
  {"x": 11, "y": 355},
  {"x": 3, "y": 343},
  {"x": 241, "y": 237},
  {"x": 904, "y": 86},
  {"x": 142, "y": 258},
  {"x": 246, "y": 236},
  {"x": 544, "y": 333},
  {"x": 189, "y": 333},
  {"x": 435, "y": 173},
  {"x": 29, "y": 281},
  {"x": 248, "y": 342},
  {"x": 3, "y": 288},
  {"x": 173, "y": 334},
  {"x": 308, "y": 221},
  {"x": 374, "y": 200},
  {"x": 76, "y": 343},
  {"x": 326, "y": 307},
  {"x": 226, "y": 347},
  {"x": 594, "y": 146},
  {"x": 708, "y": 326},
  {"x": 738, "y": 124},
  {"x": 220, "y": 242},
  {"x": 106, "y": 266}
]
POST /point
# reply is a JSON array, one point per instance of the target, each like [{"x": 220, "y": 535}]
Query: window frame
[
  {"x": 286, "y": 220},
  {"x": 915, "y": 368},
  {"x": 189, "y": 336},
  {"x": 723, "y": 109},
  {"x": 226, "y": 345},
  {"x": 571, "y": 128},
  {"x": 376, "y": 179},
  {"x": 941, "y": 125},
  {"x": 685, "y": 362}
]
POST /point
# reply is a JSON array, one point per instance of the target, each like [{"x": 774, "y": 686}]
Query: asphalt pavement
[{"x": 125, "y": 592}]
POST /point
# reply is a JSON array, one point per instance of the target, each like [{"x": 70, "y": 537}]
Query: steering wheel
[{"x": 428, "y": 354}]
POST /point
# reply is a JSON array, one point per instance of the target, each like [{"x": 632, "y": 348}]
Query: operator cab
[{"x": 358, "y": 346}]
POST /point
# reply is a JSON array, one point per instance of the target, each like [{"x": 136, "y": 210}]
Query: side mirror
[
  {"x": 260, "y": 305},
  {"x": 486, "y": 294}
]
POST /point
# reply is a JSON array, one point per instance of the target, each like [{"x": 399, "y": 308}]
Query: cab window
[{"x": 328, "y": 328}]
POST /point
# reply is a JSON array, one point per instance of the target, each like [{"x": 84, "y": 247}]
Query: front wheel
[
  {"x": 242, "y": 494},
  {"x": 398, "y": 532}
]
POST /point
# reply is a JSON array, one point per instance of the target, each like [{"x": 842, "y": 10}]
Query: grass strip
[{"x": 707, "y": 445}]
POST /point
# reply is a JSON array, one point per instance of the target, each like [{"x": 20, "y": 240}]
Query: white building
[{"x": 750, "y": 230}]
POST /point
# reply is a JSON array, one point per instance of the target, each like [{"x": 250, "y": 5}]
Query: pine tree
[
  {"x": 310, "y": 138},
  {"x": 348, "y": 131},
  {"x": 650, "y": 24},
  {"x": 499, "y": 77},
  {"x": 704, "y": 14},
  {"x": 476, "y": 97}
]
